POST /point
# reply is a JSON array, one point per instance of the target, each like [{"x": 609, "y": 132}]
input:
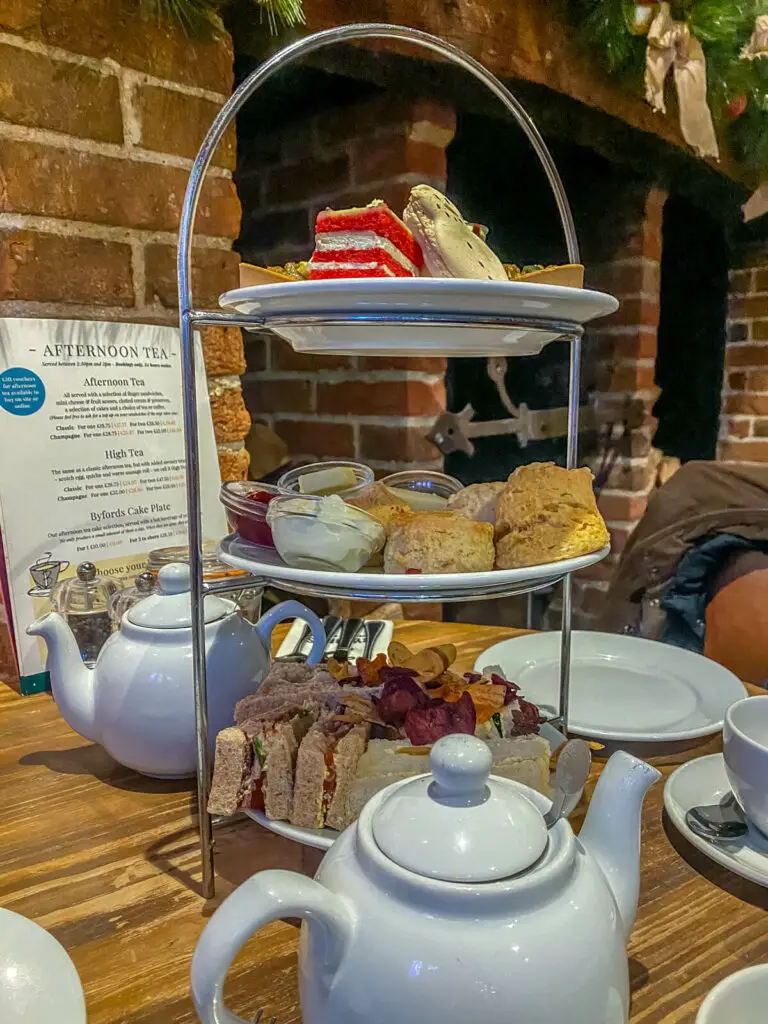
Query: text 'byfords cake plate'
[
  {"x": 623, "y": 688},
  {"x": 446, "y": 317},
  {"x": 460, "y": 586}
]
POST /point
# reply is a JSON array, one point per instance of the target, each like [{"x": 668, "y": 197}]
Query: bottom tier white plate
[
  {"x": 703, "y": 781},
  {"x": 324, "y": 838},
  {"x": 460, "y": 586},
  {"x": 623, "y": 688}
]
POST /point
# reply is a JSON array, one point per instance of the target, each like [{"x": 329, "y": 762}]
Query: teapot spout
[
  {"x": 611, "y": 832},
  {"x": 72, "y": 683}
]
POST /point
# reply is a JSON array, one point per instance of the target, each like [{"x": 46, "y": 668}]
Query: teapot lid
[
  {"x": 170, "y": 607},
  {"x": 457, "y": 824}
]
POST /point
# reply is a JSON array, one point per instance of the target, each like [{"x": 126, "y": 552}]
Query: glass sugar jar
[
  {"x": 83, "y": 600},
  {"x": 248, "y": 601},
  {"x": 144, "y": 585}
]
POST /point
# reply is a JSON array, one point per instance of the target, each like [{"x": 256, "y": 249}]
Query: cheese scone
[
  {"x": 546, "y": 514},
  {"x": 439, "y": 542}
]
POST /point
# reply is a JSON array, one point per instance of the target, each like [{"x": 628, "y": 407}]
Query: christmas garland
[
  {"x": 715, "y": 51},
  {"x": 202, "y": 18}
]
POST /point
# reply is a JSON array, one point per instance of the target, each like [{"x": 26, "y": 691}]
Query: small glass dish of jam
[{"x": 246, "y": 503}]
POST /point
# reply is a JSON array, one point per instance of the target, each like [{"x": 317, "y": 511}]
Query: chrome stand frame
[{"x": 189, "y": 319}]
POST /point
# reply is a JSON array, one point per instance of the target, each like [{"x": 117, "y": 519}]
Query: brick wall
[
  {"x": 624, "y": 347},
  {"x": 375, "y": 409},
  {"x": 101, "y": 114},
  {"x": 744, "y": 419}
]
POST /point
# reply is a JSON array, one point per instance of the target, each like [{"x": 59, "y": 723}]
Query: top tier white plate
[
  {"x": 419, "y": 316},
  {"x": 458, "y": 586}
]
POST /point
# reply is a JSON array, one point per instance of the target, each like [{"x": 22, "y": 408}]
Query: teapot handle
[
  {"x": 293, "y": 610},
  {"x": 266, "y": 896}
]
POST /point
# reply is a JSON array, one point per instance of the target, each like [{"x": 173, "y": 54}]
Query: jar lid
[
  {"x": 457, "y": 824},
  {"x": 171, "y": 606}
]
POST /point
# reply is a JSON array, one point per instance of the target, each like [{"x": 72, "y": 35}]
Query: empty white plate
[
  {"x": 623, "y": 688},
  {"x": 447, "y": 316},
  {"x": 703, "y": 781}
]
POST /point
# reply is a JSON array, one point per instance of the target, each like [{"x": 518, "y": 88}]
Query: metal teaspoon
[
  {"x": 571, "y": 774},
  {"x": 720, "y": 822}
]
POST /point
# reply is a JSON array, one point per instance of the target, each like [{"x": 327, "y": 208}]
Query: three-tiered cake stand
[{"x": 411, "y": 317}]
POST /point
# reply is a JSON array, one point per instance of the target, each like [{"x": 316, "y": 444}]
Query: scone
[
  {"x": 477, "y": 501},
  {"x": 390, "y": 517},
  {"x": 374, "y": 495},
  {"x": 439, "y": 542},
  {"x": 545, "y": 514}
]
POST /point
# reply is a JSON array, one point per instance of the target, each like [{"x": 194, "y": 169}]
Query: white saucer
[
  {"x": 623, "y": 688},
  {"x": 303, "y": 313},
  {"x": 703, "y": 781}
]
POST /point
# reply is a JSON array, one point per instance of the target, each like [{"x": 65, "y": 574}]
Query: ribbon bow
[
  {"x": 672, "y": 46},
  {"x": 758, "y": 44}
]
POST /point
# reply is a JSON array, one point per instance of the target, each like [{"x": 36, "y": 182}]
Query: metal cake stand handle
[{"x": 245, "y": 90}]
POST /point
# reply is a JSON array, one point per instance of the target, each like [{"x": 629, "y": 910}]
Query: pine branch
[{"x": 194, "y": 17}]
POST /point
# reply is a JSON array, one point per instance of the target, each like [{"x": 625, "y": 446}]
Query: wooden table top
[{"x": 107, "y": 861}]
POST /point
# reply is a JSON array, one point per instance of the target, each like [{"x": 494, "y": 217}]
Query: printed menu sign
[{"x": 91, "y": 459}]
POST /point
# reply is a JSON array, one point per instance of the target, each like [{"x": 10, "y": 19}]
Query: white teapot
[
  {"x": 138, "y": 700},
  {"x": 38, "y": 981},
  {"x": 449, "y": 901}
]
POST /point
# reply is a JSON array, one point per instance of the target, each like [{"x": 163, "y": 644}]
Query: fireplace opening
[{"x": 692, "y": 331}]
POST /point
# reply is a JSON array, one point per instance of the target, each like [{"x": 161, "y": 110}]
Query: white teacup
[
  {"x": 745, "y": 749},
  {"x": 741, "y": 998}
]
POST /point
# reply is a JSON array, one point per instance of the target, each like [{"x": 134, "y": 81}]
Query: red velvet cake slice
[{"x": 369, "y": 241}]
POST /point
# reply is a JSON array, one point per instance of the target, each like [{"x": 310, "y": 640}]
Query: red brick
[
  {"x": 72, "y": 185},
  {"x": 760, "y": 330},
  {"x": 40, "y": 92},
  {"x": 317, "y": 438},
  {"x": 265, "y": 231},
  {"x": 308, "y": 179},
  {"x": 737, "y": 381},
  {"x": 592, "y": 598},
  {"x": 213, "y": 272},
  {"x": 392, "y": 155},
  {"x": 756, "y": 306},
  {"x": 737, "y": 332},
  {"x": 436, "y": 366},
  {"x": 738, "y": 428},
  {"x": 20, "y": 15},
  {"x": 747, "y": 405},
  {"x": 757, "y": 380},
  {"x": 97, "y": 273},
  {"x": 381, "y": 398},
  {"x": 624, "y": 508},
  {"x": 174, "y": 122},
  {"x": 740, "y": 282},
  {"x": 223, "y": 350},
  {"x": 256, "y": 348},
  {"x": 761, "y": 279},
  {"x": 396, "y": 444},
  {"x": 266, "y": 396},
  {"x": 640, "y": 343},
  {"x": 760, "y": 428},
  {"x": 619, "y": 537},
  {"x": 116, "y": 30},
  {"x": 646, "y": 240},
  {"x": 744, "y": 451},
  {"x": 625, "y": 279},
  {"x": 746, "y": 355},
  {"x": 393, "y": 192},
  {"x": 633, "y": 312},
  {"x": 629, "y": 378},
  {"x": 736, "y": 306},
  {"x": 284, "y": 358}
]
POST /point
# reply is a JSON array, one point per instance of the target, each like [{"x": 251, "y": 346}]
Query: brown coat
[{"x": 701, "y": 500}]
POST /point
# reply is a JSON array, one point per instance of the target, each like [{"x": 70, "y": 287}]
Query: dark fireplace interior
[
  {"x": 691, "y": 337},
  {"x": 504, "y": 185}
]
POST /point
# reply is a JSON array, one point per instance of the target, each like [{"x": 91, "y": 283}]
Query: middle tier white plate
[
  {"x": 439, "y": 316},
  {"x": 461, "y": 586},
  {"x": 623, "y": 688}
]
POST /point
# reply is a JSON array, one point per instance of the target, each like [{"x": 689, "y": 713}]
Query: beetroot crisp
[{"x": 440, "y": 718}]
